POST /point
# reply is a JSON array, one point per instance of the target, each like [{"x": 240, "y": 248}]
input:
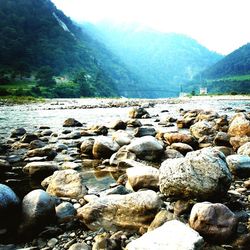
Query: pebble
[
  {"x": 77, "y": 205},
  {"x": 52, "y": 242}
]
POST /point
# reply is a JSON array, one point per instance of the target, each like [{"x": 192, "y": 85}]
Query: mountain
[
  {"x": 36, "y": 36},
  {"x": 229, "y": 75},
  {"x": 162, "y": 61}
]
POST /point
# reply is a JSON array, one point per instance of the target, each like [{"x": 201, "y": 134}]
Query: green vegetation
[
  {"x": 38, "y": 43},
  {"x": 231, "y": 75},
  {"x": 20, "y": 99}
]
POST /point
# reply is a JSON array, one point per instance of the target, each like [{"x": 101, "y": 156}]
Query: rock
[
  {"x": 171, "y": 235},
  {"x": 115, "y": 212},
  {"x": 70, "y": 165},
  {"x": 202, "y": 128},
  {"x": 225, "y": 150},
  {"x": 99, "y": 130},
  {"x": 222, "y": 139},
  {"x": 162, "y": 217},
  {"x": 121, "y": 155},
  {"x": 146, "y": 148},
  {"x": 104, "y": 147},
  {"x": 38, "y": 211},
  {"x": 202, "y": 174},
  {"x": 17, "y": 132},
  {"x": 120, "y": 189},
  {"x": 129, "y": 163},
  {"x": 239, "y": 125},
  {"x": 4, "y": 166},
  {"x": 143, "y": 177},
  {"x": 27, "y": 138},
  {"x": 65, "y": 212},
  {"x": 144, "y": 131},
  {"x": 179, "y": 137},
  {"x": 71, "y": 122},
  {"x": 244, "y": 149},
  {"x": 170, "y": 153},
  {"x": 119, "y": 124},
  {"x": 239, "y": 165},
  {"x": 67, "y": 183},
  {"x": 40, "y": 169},
  {"x": 242, "y": 242},
  {"x": 215, "y": 222},
  {"x": 9, "y": 207},
  {"x": 87, "y": 146},
  {"x": 71, "y": 136},
  {"x": 122, "y": 137},
  {"x": 52, "y": 242},
  {"x": 46, "y": 132},
  {"x": 45, "y": 151},
  {"x": 37, "y": 144},
  {"x": 80, "y": 246},
  {"x": 207, "y": 116},
  {"x": 238, "y": 141},
  {"x": 183, "y": 207},
  {"x": 137, "y": 113},
  {"x": 183, "y": 148},
  {"x": 134, "y": 123}
]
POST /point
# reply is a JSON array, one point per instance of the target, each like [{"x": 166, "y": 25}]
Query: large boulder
[
  {"x": 171, "y": 235},
  {"x": 239, "y": 125},
  {"x": 121, "y": 212},
  {"x": 104, "y": 147},
  {"x": 9, "y": 206},
  {"x": 67, "y": 183},
  {"x": 28, "y": 137},
  {"x": 183, "y": 148},
  {"x": 244, "y": 149},
  {"x": 17, "y": 132},
  {"x": 122, "y": 137},
  {"x": 146, "y": 148},
  {"x": 144, "y": 131},
  {"x": 201, "y": 129},
  {"x": 87, "y": 146},
  {"x": 47, "y": 151},
  {"x": 202, "y": 174},
  {"x": 122, "y": 154},
  {"x": 180, "y": 137},
  {"x": 137, "y": 113},
  {"x": 118, "y": 124},
  {"x": 38, "y": 211},
  {"x": 238, "y": 141},
  {"x": 65, "y": 212},
  {"x": 239, "y": 165},
  {"x": 71, "y": 122},
  {"x": 40, "y": 168},
  {"x": 215, "y": 222},
  {"x": 143, "y": 177}
]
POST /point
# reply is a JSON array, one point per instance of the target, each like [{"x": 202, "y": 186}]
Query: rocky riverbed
[{"x": 125, "y": 174}]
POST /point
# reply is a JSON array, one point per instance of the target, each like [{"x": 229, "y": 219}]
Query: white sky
[{"x": 220, "y": 25}]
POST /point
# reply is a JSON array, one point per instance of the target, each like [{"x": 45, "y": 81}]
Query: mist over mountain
[
  {"x": 162, "y": 61},
  {"x": 229, "y": 75}
]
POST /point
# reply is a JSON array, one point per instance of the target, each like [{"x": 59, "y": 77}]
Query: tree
[
  {"x": 45, "y": 76},
  {"x": 85, "y": 87}
]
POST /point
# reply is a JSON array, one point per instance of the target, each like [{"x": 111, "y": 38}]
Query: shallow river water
[{"x": 54, "y": 112}]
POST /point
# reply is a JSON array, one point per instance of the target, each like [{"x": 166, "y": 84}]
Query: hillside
[
  {"x": 229, "y": 75},
  {"x": 162, "y": 61},
  {"x": 36, "y": 36}
]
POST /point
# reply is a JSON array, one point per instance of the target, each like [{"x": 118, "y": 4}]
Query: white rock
[{"x": 173, "y": 235}]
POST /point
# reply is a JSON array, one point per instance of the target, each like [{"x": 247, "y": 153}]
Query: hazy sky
[{"x": 220, "y": 25}]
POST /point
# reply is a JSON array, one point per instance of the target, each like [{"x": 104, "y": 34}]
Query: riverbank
[{"x": 119, "y": 170}]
